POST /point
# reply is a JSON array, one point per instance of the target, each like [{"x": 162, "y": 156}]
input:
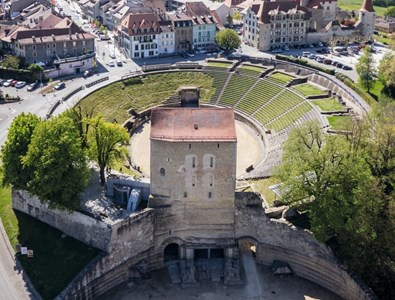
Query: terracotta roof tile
[{"x": 193, "y": 124}]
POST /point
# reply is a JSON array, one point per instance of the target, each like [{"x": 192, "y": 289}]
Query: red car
[{"x": 13, "y": 83}]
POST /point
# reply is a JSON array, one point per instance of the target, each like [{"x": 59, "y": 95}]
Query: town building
[
  {"x": 166, "y": 44},
  {"x": 183, "y": 31},
  {"x": 46, "y": 45},
  {"x": 204, "y": 26},
  {"x": 283, "y": 23},
  {"x": 139, "y": 35},
  {"x": 386, "y": 26}
]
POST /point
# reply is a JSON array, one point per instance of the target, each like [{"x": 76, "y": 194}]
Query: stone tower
[
  {"x": 367, "y": 17},
  {"x": 193, "y": 176}
]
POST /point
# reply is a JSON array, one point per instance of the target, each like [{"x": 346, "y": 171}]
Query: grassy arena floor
[
  {"x": 328, "y": 104},
  {"x": 307, "y": 89},
  {"x": 114, "y": 100},
  {"x": 340, "y": 122},
  {"x": 56, "y": 260}
]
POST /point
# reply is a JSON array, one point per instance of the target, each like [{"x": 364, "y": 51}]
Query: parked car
[
  {"x": 112, "y": 55},
  {"x": 20, "y": 84},
  {"x": 312, "y": 56},
  {"x": 327, "y": 61},
  {"x": 339, "y": 65},
  {"x": 59, "y": 86},
  {"x": 119, "y": 63},
  {"x": 33, "y": 86},
  {"x": 347, "y": 68},
  {"x": 14, "y": 82},
  {"x": 319, "y": 59},
  {"x": 2, "y": 81},
  {"x": 8, "y": 82},
  {"x": 306, "y": 54},
  {"x": 88, "y": 73}
]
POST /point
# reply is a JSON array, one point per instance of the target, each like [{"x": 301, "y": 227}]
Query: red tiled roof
[
  {"x": 141, "y": 21},
  {"x": 193, "y": 124},
  {"x": 281, "y": 5},
  {"x": 367, "y": 5}
]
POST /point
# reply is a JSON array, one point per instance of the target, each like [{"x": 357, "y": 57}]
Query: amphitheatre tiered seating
[
  {"x": 290, "y": 117},
  {"x": 237, "y": 86},
  {"x": 248, "y": 70},
  {"x": 280, "y": 104},
  {"x": 280, "y": 78},
  {"x": 218, "y": 83},
  {"x": 262, "y": 92}
]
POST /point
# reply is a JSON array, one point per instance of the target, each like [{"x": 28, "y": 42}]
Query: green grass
[
  {"x": 125, "y": 170},
  {"x": 281, "y": 76},
  {"x": 308, "y": 90},
  {"x": 56, "y": 260},
  {"x": 261, "y": 186},
  {"x": 219, "y": 64},
  {"x": 252, "y": 68},
  {"x": 328, "y": 104},
  {"x": 340, "y": 122},
  {"x": 385, "y": 40},
  {"x": 356, "y": 5},
  {"x": 114, "y": 100}
]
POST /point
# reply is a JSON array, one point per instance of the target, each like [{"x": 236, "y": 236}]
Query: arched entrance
[{"x": 171, "y": 252}]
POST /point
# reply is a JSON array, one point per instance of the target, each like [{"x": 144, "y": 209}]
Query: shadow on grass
[{"x": 57, "y": 260}]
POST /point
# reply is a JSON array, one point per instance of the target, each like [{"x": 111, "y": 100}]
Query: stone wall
[
  {"x": 307, "y": 257},
  {"x": 82, "y": 227}
]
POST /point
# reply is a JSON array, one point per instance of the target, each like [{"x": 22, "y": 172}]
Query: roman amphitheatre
[{"x": 194, "y": 237}]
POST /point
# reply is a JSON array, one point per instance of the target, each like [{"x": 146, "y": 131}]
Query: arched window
[{"x": 162, "y": 172}]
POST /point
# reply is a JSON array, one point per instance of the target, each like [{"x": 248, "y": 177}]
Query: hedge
[
  {"x": 365, "y": 95},
  {"x": 20, "y": 74}
]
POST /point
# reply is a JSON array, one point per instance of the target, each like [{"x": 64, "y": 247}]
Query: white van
[{"x": 306, "y": 54}]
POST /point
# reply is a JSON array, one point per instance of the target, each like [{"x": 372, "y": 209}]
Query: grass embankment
[
  {"x": 308, "y": 90},
  {"x": 340, "y": 122},
  {"x": 328, "y": 104},
  {"x": 261, "y": 186},
  {"x": 56, "y": 260},
  {"x": 356, "y": 5},
  {"x": 281, "y": 76},
  {"x": 114, "y": 100},
  {"x": 252, "y": 68},
  {"x": 219, "y": 64}
]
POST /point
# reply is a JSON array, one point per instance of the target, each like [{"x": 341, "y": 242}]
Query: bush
[
  {"x": 304, "y": 63},
  {"x": 365, "y": 95}
]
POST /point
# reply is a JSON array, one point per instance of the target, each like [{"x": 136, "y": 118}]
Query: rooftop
[{"x": 193, "y": 124}]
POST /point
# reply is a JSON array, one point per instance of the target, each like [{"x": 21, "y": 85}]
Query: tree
[
  {"x": 36, "y": 69},
  {"x": 365, "y": 68},
  {"x": 59, "y": 163},
  {"x": 387, "y": 73},
  {"x": 228, "y": 39},
  {"x": 15, "y": 148},
  {"x": 229, "y": 20},
  {"x": 81, "y": 121},
  {"x": 237, "y": 16},
  {"x": 346, "y": 185},
  {"x": 320, "y": 173},
  {"x": 108, "y": 143},
  {"x": 11, "y": 62},
  {"x": 389, "y": 12}
]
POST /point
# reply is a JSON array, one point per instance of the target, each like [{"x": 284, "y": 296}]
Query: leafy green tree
[
  {"x": 108, "y": 143},
  {"x": 365, "y": 68},
  {"x": 59, "y": 163},
  {"x": 81, "y": 121},
  {"x": 36, "y": 69},
  {"x": 320, "y": 173},
  {"x": 387, "y": 73},
  {"x": 228, "y": 39},
  {"x": 11, "y": 62},
  {"x": 237, "y": 16},
  {"x": 389, "y": 12},
  {"x": 15, "y": 148}
]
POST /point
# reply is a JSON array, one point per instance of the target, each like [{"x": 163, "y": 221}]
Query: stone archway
[{"x": 171, "y": 252}]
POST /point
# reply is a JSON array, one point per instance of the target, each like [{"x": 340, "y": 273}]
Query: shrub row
[
  {"x": 365, "y": 95},
  {"x": 303, "y": 62},
  {"x": 19, "y": 74}
]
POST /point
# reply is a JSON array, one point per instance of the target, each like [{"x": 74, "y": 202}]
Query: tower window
[
  {"x": 189, "y": 146},
  {"x": 193, "y": 162},
  {"x": 209, "y": 194},
  {"x": 217, "y": 146},
  {"x": 185, "y": 194},
  {"x": 162, "y": 172},
  {"x": 211, "y": 162}
]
